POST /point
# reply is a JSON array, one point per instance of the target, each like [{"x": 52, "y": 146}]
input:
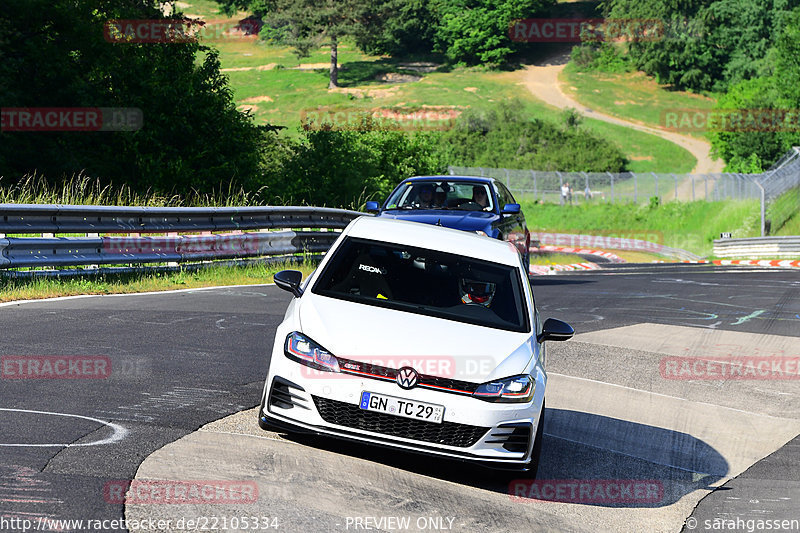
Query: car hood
[
  {"x": 461, "y": 220},
  {"x": 430, "y": 345}
]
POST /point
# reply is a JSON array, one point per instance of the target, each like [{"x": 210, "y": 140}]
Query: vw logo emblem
[{"x": 407, "y": 378}]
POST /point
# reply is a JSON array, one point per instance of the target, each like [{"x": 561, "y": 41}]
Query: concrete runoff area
[{"x": 611, "y": 415}]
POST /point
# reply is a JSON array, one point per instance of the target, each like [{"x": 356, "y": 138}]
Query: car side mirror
[
  {"x": 555, "y": 330},
  {"x": 373, "y": 207},
  {"x": 510, "y": 209},
  {"x": 289, "y": 280}
]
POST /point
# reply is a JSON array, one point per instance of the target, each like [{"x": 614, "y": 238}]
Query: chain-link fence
[
  {"x": 624, "y": 187},
  {"x": 781, "y": 191},
  {"x": 770, "y": 187}
]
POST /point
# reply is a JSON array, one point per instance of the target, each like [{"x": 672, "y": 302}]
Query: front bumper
[{"x": 490, "y": 434}]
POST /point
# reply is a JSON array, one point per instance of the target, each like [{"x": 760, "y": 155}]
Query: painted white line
[
  {"x": 670, "y": 397},
  {"x": 119, "y": 431},
  {"x": 170, "y": 291}
]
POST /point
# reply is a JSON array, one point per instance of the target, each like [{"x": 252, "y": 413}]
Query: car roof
[
  {"x": 434, "y": 238},
  {"x": 475, "y": 179}
]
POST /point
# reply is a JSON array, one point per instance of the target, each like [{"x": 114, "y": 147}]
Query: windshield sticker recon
[{"x": 372, "y": 269}]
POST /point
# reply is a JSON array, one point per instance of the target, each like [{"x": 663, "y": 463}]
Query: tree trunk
[{"x": 334, "y": 64}]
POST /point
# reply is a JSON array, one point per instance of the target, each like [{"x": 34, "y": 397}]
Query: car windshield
[
  {"x": 426, "y": 282},
  {"x": 442, "y": 194}
]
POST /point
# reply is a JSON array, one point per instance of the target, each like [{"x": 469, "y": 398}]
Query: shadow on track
[{"x": 578, "y": 447}]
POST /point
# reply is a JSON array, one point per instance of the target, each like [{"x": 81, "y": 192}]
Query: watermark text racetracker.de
[
  {"x": 75, "y": 119},
  {"x": 77, "y": 367},
  {"x": 644, "y": 241},
  {"x": 730, "y": 120},
  {"x": 767, "y": 368},
  {"x": 55, "y": 367},
  {"x": 195, "y": 492},
  {"x": 576, "y": 30},
  {"x": 629, "y": 492},
  {"x": 425, "y": 118},
  {"x": 178, "y": 30},
  {"x": 465, "y": 367}
]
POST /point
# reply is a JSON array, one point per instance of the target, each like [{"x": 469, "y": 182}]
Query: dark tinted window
[
  {"x": 503, "y": 195},
  {"x": 441, "y": 194},
  {"x": 426, "y": 282}
]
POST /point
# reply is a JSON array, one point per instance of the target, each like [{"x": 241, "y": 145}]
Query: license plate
[{"x": 401, "y": 407}]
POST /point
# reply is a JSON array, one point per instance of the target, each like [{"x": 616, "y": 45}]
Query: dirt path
[{"x": 542, "y": 80}]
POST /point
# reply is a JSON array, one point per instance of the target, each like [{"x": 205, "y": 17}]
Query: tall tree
[
  {"x": 309, "y": 24},
  {"x": 55, "y": 55}
]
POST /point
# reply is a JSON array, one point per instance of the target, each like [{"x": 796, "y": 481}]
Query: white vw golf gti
[{"x": 416, "y": 337}]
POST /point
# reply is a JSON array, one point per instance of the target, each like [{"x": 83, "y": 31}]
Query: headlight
[
  {"x": 516, "y": 389},
  {"x": 300, "y": 348}
]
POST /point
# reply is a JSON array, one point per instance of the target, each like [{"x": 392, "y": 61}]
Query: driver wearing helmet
[{"x": 476, "y": 292}]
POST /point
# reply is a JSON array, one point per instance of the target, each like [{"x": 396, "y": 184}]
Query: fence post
[
  {"x": 705, "y": 182},
  {"x": 481, "y": 169},
  {"x": 676, "y": 185},
  {"x": 586, "y": 185},
  {"x": 612, "y": 186},
  {"x": 635, "y": 189},
  {"x": 656, "y": 178},
  {"x": 508, "y": 180},
  {"x": 534, "y": 185},
  {"x": 763, "y": 208},
  {"x": 693, "y": 198}
]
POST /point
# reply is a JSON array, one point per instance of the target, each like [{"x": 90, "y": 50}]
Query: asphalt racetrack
[{"x": 181, "y": 373}]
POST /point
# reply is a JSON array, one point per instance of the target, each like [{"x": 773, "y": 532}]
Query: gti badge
[{"x": 407, "y": 378}]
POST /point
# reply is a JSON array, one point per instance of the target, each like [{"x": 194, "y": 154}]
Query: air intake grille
[{"x": 349, "y": 415}]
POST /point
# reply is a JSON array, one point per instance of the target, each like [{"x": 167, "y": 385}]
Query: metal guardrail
[
  {"x": 35, "y": 218},
  {"x": 756, "y": 247},
  {"x": 52, "y": 251}
]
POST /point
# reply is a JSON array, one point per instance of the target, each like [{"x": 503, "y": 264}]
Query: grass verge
[
  {"x": 546, "y": 258},
  {"x": 14, "y": 289},
  {"x": 691, "y": 226}
]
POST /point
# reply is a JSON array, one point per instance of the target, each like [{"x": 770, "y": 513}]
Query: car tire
[{"x": 537, "y": 446}]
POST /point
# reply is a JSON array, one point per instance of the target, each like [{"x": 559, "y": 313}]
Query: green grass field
[
  {"x": 632, "y": 96},
  {"x": 265, "y": 81}
]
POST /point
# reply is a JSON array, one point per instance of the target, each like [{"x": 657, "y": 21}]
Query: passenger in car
[{"x": 479, "y": 196}]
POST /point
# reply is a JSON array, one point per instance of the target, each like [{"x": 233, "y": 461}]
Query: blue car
[{"x": 480, "y": 205}]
